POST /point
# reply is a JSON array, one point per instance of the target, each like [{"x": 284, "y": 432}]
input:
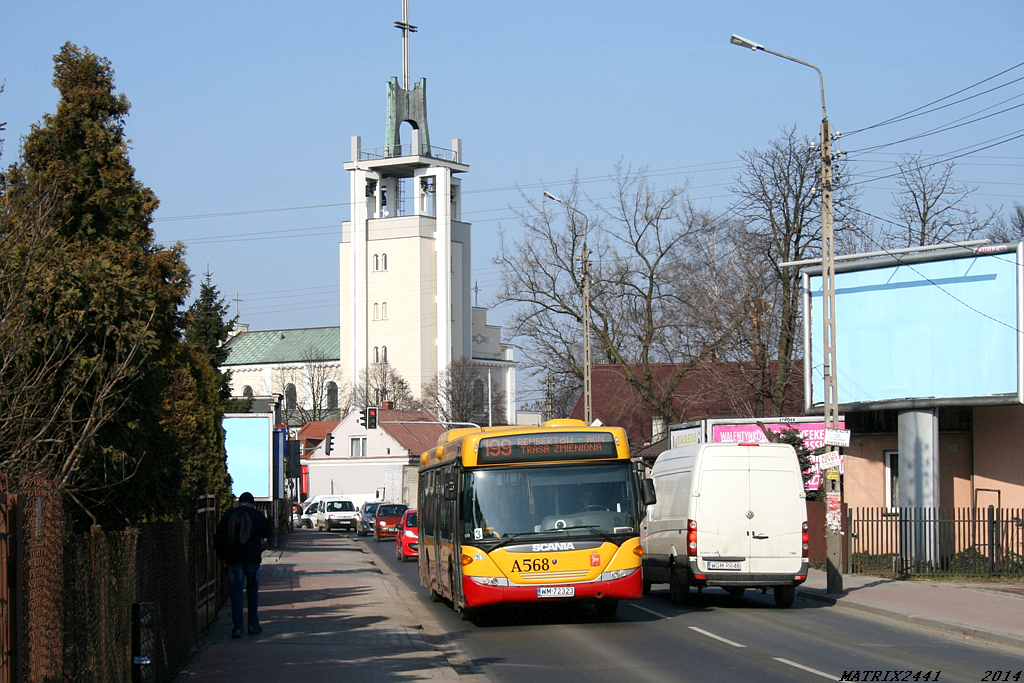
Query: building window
[
  {"x": 376, "y": 311},
  {"x": 247, "y": 391},
  {"x": 376, "y": 262},
  {"x": 384, "y": 354},
  {"x": 290, "y": 401},
  {"x": 376, "y": 354},
  {"x": 892, "y": 479},
  {"x": 357, "y": 447},
  {"x": 332, "y": 396},
  {"x": 384, "y": 262}
]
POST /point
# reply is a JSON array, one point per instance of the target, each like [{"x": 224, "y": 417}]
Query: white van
[
  {"x": 728, "y": 515},
  {"x": 334, "y": 512}
]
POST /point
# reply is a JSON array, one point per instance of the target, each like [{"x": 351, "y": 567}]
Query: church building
[{"x": 405, "y": 261}]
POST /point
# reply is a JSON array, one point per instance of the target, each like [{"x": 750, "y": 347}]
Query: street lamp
[
  {"x": 832, "y": 535},
  {"x": 588, "y": 403}
]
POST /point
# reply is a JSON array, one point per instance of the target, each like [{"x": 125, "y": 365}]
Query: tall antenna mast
[{"x": 406, "y": 29}]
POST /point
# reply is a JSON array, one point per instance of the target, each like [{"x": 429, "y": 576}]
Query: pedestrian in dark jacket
[{"x": 239, "y": 543}]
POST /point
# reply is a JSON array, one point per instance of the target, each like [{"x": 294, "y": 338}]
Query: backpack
[{"x": 239, "y": 531}]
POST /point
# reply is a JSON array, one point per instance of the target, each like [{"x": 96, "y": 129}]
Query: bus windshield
[{"x": 546, "y": 500}]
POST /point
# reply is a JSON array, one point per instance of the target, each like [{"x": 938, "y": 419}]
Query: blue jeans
[{"x": 244, "y": 575}]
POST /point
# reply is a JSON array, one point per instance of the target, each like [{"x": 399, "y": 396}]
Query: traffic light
[
  {"x": 371, "y": 418},
  {"x": 362, "y": 417},
  {"x": 329, "y": 444}
]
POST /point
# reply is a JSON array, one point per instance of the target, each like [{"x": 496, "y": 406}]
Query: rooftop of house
[{"x": 284, "y": 346}]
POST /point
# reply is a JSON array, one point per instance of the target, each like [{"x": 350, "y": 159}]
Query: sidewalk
[
  {"x": 327, "y": 612},
  {"x": 987, "y": 611}
]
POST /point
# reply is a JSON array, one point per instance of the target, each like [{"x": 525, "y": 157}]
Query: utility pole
[
  {"x": 834, "y": 493},
  {"x": 588, "y": 396},
  {"x": 588, "y": 408}
]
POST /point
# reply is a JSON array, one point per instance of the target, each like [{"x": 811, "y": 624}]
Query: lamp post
[
  {"x": 832, "y": 535},
  {"x": 588, "y": 404}
]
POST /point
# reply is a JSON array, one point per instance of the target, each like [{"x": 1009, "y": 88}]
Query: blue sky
[{"x": 242, "y": 112}]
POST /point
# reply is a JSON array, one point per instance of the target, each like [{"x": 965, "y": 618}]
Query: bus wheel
[
  {"x": 435, "y": 596},
  {"x": 647, "y": 586},
  {"x": 606, "y": 608},
  {"x": 678, "y": 590},
  {"x": 784, "y": 595}
]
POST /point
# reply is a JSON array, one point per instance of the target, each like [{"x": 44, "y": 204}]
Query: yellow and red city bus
[{"x": 531, "y": 513}]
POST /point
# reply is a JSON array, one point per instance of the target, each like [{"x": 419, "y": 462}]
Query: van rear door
[
  {"x": 723, "y": 531},
  {"x": 779, "y": 511}
]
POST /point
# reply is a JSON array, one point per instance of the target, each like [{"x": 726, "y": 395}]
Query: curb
[
  {"x": 457, "y": 659},
  {"x": 838, "y": 601}
]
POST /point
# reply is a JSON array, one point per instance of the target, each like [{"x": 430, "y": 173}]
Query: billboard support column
[{"x": 918, "y": 442}]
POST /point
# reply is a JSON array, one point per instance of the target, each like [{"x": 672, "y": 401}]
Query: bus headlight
[
  {"x": 489, "y": 580},
  {"x": 617, "y": 574}
]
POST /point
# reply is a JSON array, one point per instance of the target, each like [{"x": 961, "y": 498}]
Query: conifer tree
[
  {"x": 91, "y": 331},
  {"x": 208, "y": 328}
]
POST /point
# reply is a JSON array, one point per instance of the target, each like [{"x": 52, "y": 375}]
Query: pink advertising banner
[{"x": 813, "y": 434}]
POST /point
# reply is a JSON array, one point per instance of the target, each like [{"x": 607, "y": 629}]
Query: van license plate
[
  {"x": 732, "y": 566},
  {"x": 556, "y": 592}
]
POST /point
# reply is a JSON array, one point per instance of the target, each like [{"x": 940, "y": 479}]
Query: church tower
[{"x": 405, "y": 254}]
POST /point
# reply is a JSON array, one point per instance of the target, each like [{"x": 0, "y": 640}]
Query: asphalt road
[{"x": 718, "y": 638}]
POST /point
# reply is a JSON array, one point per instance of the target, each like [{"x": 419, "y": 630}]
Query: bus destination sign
[{"x": 546, "y": 447}]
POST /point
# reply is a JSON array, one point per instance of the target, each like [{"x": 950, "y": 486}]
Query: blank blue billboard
[
  {"x": 921, "y": 330},
  {"x": 247, "y": 440}
]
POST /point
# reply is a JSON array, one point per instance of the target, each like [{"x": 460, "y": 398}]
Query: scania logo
[{"x": 545, "y": 547}]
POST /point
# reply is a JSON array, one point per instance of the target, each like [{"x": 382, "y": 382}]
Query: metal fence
[
  {"x": 970, "y": 542},
  {"x": 69, "y": 599}
]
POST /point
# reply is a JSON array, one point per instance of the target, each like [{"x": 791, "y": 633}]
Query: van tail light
[
  {"x": 691, "y": 538},
  {"x": 805, "y": 540}
]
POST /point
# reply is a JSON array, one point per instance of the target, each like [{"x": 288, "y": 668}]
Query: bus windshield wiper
[
  {"x": 505, "y": 540},
  {"x": 593, "y": 527}
]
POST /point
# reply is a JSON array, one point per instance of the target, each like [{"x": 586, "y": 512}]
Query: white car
[{"x": 335, "y": 512}]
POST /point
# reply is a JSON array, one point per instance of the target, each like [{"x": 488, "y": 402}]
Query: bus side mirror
[{"x": 647, "y": 492}]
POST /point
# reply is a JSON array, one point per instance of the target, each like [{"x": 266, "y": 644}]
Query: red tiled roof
[
  {"x": 314, "y": 432},
  {"x": 706, "y": 391},
  {"x": 403, "y": 427}
]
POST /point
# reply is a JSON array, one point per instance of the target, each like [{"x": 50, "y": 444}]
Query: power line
[{"x": 914, "y": 112}]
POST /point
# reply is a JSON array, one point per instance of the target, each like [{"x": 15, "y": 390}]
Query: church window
[
  {"x": 247, "y": 391},
  {"x": 290, "y": 400},
  {"x": 332, "y": 396}
]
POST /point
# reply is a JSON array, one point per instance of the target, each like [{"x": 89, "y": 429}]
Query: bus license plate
[
  {"x": 556, "y": 592},
  {"x": 735, "y": 566}
]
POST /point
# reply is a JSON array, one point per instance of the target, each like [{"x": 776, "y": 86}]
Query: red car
[
  {"x": 407, "y": 539},
  {"x": 385, "y": 523}
]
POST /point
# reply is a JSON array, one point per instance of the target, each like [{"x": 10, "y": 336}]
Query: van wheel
[
  {"x": 784, "y": 595},
  {"x": 735, "y": 591},
  {"x": 678, "y": 590}
]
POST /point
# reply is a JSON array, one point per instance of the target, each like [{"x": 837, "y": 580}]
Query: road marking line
[
  {"x": 712, "y": 635},
  {"x": 650, "y": 611},
  {"x": 806, "y": 668}
]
